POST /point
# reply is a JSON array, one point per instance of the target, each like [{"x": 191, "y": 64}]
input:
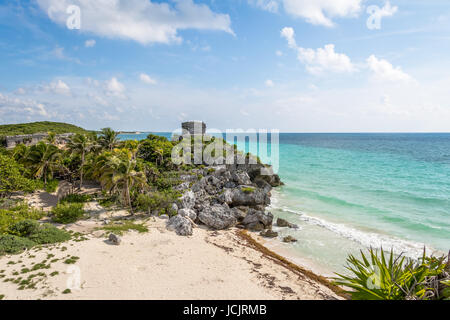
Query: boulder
[
  {"x": 289, "y": 239},
  {"x": 114, "y": 239},
  {"x": 269, "y": 234},
  {"x": 188, "y": 213},
  {"x": 285, "y": 224},
  {"x": 181, "y": 225},
  {"x": 254, "y": 220},
  {"x": 249, "y": 196},
  {"x": 218, "y": 217},
  {"x": 240, "y": 212},
  {"x": 226, "y": 196},
  {"x": 187, "y": 201},
  {"x": 241, "y": 178}
]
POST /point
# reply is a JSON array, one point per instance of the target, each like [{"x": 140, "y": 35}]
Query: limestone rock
[
  {"x": 289, "y": 239},
  {"x": 181, "y": 225},
  {"x": 114, "y": 239},
  {"x": 188, "y": 213},
  {"x": 187, "y": 201},
  {"x": 285, "y": 224},
  {"x": 218, "y": 217},
  {"x": 269, "y": 234},
  {"x": 249, "y": 196},
  {"x": 256, "y": 218}
]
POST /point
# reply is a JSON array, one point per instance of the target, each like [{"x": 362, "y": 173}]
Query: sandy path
[{"x": 161, "y": 265}]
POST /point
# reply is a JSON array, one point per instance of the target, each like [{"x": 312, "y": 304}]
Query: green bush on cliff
[{"x": 377, "y": 277}]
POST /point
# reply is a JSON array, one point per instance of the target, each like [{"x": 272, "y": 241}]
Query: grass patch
[
  {"x": 72, "y": 260},
  {"x": 248, "y": 190},
  {"x": 124, "y": 227},
  {"x": 76, "y": 198},
  {"x": 67, "y": 291},
  {"x": 2, "y": 296},
  {"x": 68, "y": 213}
]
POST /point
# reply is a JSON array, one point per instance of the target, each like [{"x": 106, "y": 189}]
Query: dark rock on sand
[
  {"x": 285, "y": 224},
  {"x": 289, "y": 239},
  {"x": 269, "y": 234}
]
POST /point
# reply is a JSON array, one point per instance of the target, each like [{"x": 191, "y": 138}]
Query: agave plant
[{"x": 377, "y": 277}]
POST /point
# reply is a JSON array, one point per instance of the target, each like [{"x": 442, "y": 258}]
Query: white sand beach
[{"x": 158, "y": 265}]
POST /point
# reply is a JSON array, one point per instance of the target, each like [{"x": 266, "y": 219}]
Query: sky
[{"x": 291, "y": 65}]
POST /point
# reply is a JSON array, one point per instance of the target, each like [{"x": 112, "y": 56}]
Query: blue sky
[{"x": 292, "y": 65}]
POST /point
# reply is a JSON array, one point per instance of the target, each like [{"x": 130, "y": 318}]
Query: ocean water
[{"x": 352, "y": 191}]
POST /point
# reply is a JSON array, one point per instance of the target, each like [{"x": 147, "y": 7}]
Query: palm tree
[
  {"x": 108, "y": 139},
  {"x": 121, "y": 174},
  {"x": 81, "y": 145},
  {"x": 44, "y": 159},
  {"x": 51, "y": 138}
]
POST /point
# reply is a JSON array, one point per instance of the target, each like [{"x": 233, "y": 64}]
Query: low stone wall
[{"x": 32, "y": 139}]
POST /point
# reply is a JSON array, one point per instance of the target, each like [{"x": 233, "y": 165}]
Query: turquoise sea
[{"x": 351, "y": 191}]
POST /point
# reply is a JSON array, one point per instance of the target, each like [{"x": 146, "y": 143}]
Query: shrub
[
  {"x": 10, "y": 244},
  {"x": 157, "y": 201},
  {"x": 76, "y": 198},
  {"x": 11, "y": 177},
  {"x": 24, "y": 228},
  {"x": 124, "y": 227},
  {"x": 67, "y": 213},
  {"x": 20, "y": 212},
  {"x": 48, "y": 234},
  {"x": 51, "y": 186},
  {"x": 376, "y": 278}
]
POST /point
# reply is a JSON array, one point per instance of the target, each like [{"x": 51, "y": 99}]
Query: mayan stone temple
[{"x": 194, "y": 128}]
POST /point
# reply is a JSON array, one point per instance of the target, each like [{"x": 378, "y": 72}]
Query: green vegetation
[
  {"x": 17, "y": 213},
  {"x": 26, "y": 234},
  {"x": 397, "y": 278},
  {"x": 121, "y": 227},
  {"x": 12, "y": 177},
  {"x": 71, "y": 260},
  {"x": 158, "y": 201},
  {"x": 76, "y": 198},
  {"x": 67, "y": 291},
  {"x": 2, "y": 296},
  {"x": 10, "y": 244},
  {"x": 66, "y": 213},
  {"x": 39, "y": 127},
  {"x": 248, "y": 190}
]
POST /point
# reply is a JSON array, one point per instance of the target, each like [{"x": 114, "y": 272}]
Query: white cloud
[
  {"x": 20, "y": 91},
  {"x": 289, "y": 34},
  {"x": 58, "y": 87},
  {"x": 269, "y": 83},
  {"x": 143, "y": 21},
  {"x": 147, "y": 79},
  {"x": 14, "y": 107},
  {"x": 90, "y": 43},
  {"x": 115, "y": 88},
  {"x": 387, "y": 10},
  {"x": 267, "y": 5},
  {"x": 320, "y": 60},
  {"x": 279, "y": 53},
  {"x": 383, "y": 70},
  {"x": 321, "y": 12}
]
